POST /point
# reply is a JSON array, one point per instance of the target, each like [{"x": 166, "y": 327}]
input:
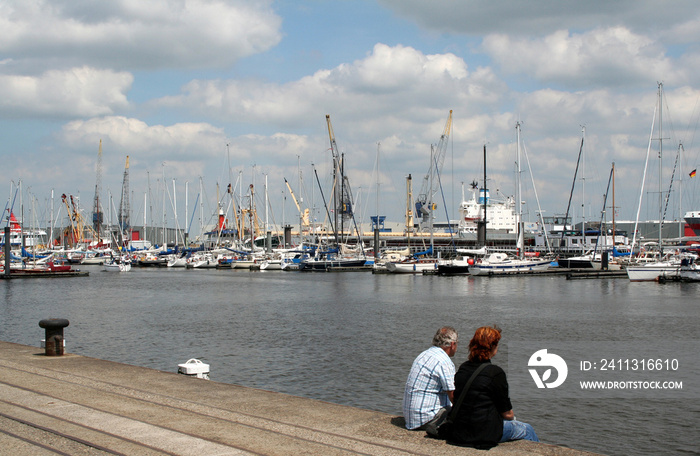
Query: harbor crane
[
  {"x": 303, "y": 214},
  {"x": 425, "y": 204},
  {"x": 342, "y": 196}
]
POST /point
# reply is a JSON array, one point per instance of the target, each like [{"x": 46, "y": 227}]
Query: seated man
[{"x": 430, "y": 385}]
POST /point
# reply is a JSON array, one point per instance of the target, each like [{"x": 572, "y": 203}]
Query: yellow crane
[
  {"x": 78, "y": 226},
  {"x": 303, "y": 214}
]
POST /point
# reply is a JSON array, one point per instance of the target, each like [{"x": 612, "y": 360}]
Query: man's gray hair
[{"x": 445, "y": 336}]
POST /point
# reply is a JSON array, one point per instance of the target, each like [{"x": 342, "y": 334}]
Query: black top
[{"x": 479, "y": 423}]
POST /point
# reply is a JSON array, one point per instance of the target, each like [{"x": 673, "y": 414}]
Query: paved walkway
[{"x": 75, "y": 405}]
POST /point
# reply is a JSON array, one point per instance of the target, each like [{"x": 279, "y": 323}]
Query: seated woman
[{"x": 485, "y": 417}]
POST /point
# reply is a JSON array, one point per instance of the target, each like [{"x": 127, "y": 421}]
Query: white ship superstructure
[
  {"x": 500, "y": 213},
  {"x": 19, "y": 236}
]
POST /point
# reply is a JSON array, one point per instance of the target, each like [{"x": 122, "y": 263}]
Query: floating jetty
[
  {"x": 28, "y": 274},
  {"x": 73, "y": 404},
  {"x": 569, "y": 273},
  {"x": 595, "y": 274}
]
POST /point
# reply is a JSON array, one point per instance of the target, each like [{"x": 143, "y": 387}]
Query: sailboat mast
[
  {"x": 409, "y": 210},
  {"x": 481, "y": 224},
  {"x": 187, "y": 228},
  {"x": 145, "y": 210},
  {"x": 51, "y": 222},
  {"x": 680, "y": 195},
  {"x": 430, "y": 202},
  {"x": 583, "y": 182},
  {"x": 301, "y": 216},
  {"x": 661, "y": 142},
  {"x": 342, "y": 195},
  {"x": 175, "y": 211},
  {"x": 201, "y": 208},
  {"x": 613, "y": 205},
  {"x": 519, "y": 202}
]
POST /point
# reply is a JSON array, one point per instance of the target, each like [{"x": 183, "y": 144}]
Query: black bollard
[{"x": 54, "y": 335}]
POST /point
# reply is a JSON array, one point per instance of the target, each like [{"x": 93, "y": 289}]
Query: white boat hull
[
  {"x": 177, "y": 263},
  {"x": 271, "y": 265},
  {"x": 653, "y": 271},
  {"x": 289, "y": 266},
  {"x": 417, "y": 267},
  {"x": 509, "y": 267},
  {"x": 117, "y": 267}
]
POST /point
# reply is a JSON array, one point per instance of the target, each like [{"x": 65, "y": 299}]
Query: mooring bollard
[{"x": 54, "y": 335}]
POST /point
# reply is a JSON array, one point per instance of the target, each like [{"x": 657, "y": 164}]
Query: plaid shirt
[{"x": 432, "y": 376}]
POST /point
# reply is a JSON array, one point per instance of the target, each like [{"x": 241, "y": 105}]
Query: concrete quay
[{"x": 75, "y": 405}]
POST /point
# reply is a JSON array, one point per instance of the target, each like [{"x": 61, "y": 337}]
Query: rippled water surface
[{"x": 350, "y": 338}]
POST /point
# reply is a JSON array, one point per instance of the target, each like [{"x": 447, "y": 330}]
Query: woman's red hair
[{"x": 482, "y": 344}]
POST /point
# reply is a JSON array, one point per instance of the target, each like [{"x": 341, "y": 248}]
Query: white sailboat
[
  {"x": 499, "y": 263},
  {"x": 412, "y": 266},
  {"x": 667, "y": 267},
  {"x": 118, "y": 264},
  {"x": 425, "y": 207},
  {"x": 177, "y": 261}
]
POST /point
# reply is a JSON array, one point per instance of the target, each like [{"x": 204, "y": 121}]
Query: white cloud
[
  {"x": 390, "y": 81},
  {"x": 136, "y": 35},
  {"x": 600, "y": 57},
  {"x": 76, "y": 92},
  {"x": 186, "y": 150},
  {"x": 133, "y": 136}
]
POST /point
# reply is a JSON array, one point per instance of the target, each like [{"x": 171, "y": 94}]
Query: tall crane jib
[
  {"x": 342, "y": 195},
  {"x": 425, "y": 203},
  {"x": 303, "y": 214}
]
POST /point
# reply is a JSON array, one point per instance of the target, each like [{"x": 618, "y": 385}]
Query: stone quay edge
[{"x": 73, "y": 404}]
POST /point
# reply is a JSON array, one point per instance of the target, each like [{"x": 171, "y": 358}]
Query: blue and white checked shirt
[{"x": 432, "y": 376}]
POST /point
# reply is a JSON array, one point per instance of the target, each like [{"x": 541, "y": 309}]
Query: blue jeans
[{"x": 517, "y": 430}]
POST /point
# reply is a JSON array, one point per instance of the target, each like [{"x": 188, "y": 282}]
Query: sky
[{"x": 202, "y": 94}]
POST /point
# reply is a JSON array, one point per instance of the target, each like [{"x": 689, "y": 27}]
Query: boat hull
[
  {"x": 509, "y": 267},
  {"x": 323, "y": 265},
  {"x": 117, "y": 267},
  {"x": 454, "y": 267},
  {"x": 412, "y": 267},
  {"x": 651, "y": 272}
]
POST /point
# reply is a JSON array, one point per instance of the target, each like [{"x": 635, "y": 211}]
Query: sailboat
[
  {"x": 604, "y": 255},
  {"x": 500, "y": 263},
  {"x": 119, "y": 264},
  {"x": 668, "y": 266},
  {"x": 337, "y": 254},
  {"x": 425, "y": 207}
]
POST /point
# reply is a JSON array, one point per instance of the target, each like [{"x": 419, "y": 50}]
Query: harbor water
[{"x": 350, "y": 337}]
